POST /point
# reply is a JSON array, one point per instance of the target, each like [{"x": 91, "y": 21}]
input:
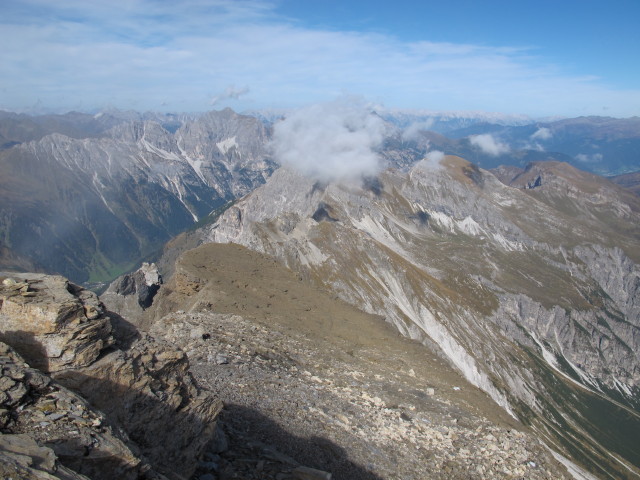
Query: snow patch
[
  {"x": 574, "y": 470},
  {"x": 178, "y": 191},
  {"x": 379, "y": 233},
  {"x": 158, "y": 151},
  {"x": 470, "y": 226},
  {"x": 444, "y": 220},
  {"x": 622, "y": 387},
  {"x": 195, "y": 164},
  {"x": 227, "y": 144},
  {"x": 99, "y": 187},
  {"x": 312, "y": 255},
  {"x": 508, "y": 245}
]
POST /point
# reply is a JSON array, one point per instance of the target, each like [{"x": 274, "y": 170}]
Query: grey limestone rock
[
  {"x": 143, "y": 386},
  {"x": 60, "y": 325}
]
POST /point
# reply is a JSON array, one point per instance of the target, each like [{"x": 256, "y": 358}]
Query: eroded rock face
[
  {"x": 142, "y": 386},
  {"x": 158, "y": 403},
  {"x": 49, "y": 430},
  {"x": 53, "y": 323},
  {"x": 131, "y": 294}
]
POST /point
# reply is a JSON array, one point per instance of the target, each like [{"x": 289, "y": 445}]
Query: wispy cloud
[
  {"x": 231, "y": 92},
  {"x": 589, "y": 158},
  {"x": 412, "y": 131},
  {"x": 489, "y": 145},
  {"x": 147, "y": 53},
  {"x": 542, "y": 133}
]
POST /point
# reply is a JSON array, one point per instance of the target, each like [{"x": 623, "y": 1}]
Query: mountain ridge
[{"x": 488, "y": 246}]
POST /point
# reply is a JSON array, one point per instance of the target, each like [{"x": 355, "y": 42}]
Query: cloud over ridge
[
  {"x": 330, "y": 141},
  {"x": 489, "y": 145}
]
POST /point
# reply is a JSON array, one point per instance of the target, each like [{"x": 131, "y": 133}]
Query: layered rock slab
[
  {"x": 48, "y": 431},
  {"x": 51, "y": 322},
  {"x": 142, "y": 385}
]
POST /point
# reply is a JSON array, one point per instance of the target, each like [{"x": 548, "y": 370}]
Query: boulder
[
  {"x": 131, "y": 294},
  {"x": 51, "y": 322}
]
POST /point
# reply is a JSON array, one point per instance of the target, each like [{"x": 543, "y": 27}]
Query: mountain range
[
  {"x": 529, "y": 287},
  {"x": 487, "y": 246},
  {"x": 92, "y": 202}
]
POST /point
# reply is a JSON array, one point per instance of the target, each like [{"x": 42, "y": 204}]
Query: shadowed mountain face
[
  {"x": 93, "y": 207},
  {"x": 532, "y": 290}
]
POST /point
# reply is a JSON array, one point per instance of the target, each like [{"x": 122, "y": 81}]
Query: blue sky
[{"x": 542, "y": 58}]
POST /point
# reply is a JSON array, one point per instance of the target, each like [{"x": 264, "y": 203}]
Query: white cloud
[
  {"x": 542, "y": 133},
  {"x": 489, "y": 145},
  {"x": 330, "y": 141},
  {"x": 412, "y": 131},
  {"x": 586, "y": 158},
  {"x": 434, "y": 157}
]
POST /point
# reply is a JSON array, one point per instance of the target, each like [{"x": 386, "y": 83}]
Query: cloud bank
[
  {"x": 149, "y": 55},
  {"x": 330, "y": 141},
  {"x": 489, "y": 145}
]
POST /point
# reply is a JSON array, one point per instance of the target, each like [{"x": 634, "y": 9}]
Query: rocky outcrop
[
  {"x": 159, "y": 418},
  {"x": 51, "y": 322},
  {"x": 161, "y": 408},
  {"x": 48, "y": 429},
  {"x": 131, "y": 294}
]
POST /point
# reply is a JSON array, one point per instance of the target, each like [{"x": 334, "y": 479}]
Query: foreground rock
[
  {"x": 48, "y": 429},
  {"x": 137, "y": 385},
  {"x": 158, "y": 403},
  {"x": 51, "y": 322}
]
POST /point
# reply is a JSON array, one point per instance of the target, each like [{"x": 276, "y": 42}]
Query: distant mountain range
[
  {"x": 603, "y": 145},
  {"x": 90, "y": 196}
]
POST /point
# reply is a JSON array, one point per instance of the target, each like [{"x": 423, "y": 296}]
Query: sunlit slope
[{"x": 536, "y": 304}]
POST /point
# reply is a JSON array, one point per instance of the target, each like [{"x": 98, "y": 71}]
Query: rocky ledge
[{"x": 116, "y": 403}]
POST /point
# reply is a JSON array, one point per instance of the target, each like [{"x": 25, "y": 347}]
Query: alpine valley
[{"x": 471, "y": 310}]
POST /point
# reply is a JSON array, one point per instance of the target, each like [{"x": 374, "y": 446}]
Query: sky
[{"x": 538, "y": 58}]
